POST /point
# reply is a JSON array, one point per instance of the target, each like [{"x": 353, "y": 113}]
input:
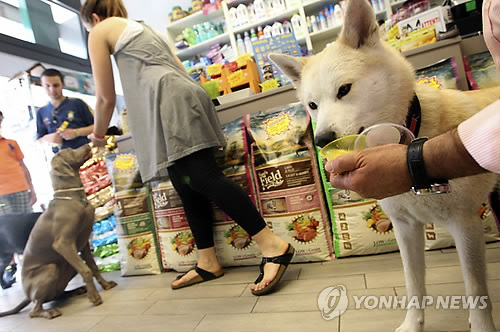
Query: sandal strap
[
  {"x": 204, "y": 274},
  {"x": 282, "y": 260}
]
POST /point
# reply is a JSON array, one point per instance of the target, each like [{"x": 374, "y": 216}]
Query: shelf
[
  {"x": 193, "y": 19},
  {"x": 238, "y": 2},
  {"x": 397, "y": 3},
  {"x": 280, "y": 17},
  {"x": 201, "y": 47},
  {"x": 323, "y": 34}
]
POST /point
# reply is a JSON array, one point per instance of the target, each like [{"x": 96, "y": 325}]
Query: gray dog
[{"x": 51, "y": 257}]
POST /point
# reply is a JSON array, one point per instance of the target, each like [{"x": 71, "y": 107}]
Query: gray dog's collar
[{"x": 69, "y": 198}]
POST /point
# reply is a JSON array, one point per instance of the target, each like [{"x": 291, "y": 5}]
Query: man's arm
[
  {"x": 27, "y": 175},
  {"x": 72, "y": 133}
]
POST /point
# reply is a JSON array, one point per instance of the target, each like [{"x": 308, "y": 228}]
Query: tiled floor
[{"x": 148, "y": 304}]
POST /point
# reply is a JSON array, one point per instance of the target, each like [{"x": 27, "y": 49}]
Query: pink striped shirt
[{"x": 481, "y": 133}]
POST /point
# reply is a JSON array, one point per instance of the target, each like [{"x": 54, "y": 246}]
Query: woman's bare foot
[{"x": 270, "y": 246}]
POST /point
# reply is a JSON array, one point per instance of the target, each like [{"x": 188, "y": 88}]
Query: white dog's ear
[
  {"x": 291, "y": 66},
  {"x": 360, "y": 25}
]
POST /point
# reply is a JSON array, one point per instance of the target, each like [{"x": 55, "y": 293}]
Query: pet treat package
[
  {"x": 233, "y": 243},
  {"x": 437, "y": 237},
  {"x": 360, "y": 226},
  {"x": 481, "y": 71},
  {"x": 177, "y": 246},
  {"x": 441, "y": 75},
  {"x": 139, "y": 252},
  {"x": 288, "y": 185}
]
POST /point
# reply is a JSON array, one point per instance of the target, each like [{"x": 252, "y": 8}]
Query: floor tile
[
  {"x": 62, "y": 323},
  {"x": 198, "y": 292},
  {"x": 232, "y": 276},
  {"x": 335, "y": 269},
  {"x": 149, "y": 323},
  {"x": 268, "y": 322},
  {"x": 376, "y": 320},
  {"x": 203, "y": 306}
]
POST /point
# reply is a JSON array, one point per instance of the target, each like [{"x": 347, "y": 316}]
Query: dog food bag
[
  {"x": 234, "y": 245},
  {"x": 359, "y": 225},
  {"x": 441, "y": 75},
  {"x": 287, "y": 180},
  {"x": 481, "y": 71},
  {"x": 177, "y": 246},
  {"x": 437, "y": 237},
  {"x": 139, "y": 252}
]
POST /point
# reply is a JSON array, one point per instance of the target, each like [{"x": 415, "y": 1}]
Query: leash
[
  {"x": 68, "y": 198},
  {"x": 414, "y": 116}
]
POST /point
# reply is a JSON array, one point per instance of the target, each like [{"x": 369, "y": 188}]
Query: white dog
[{"x": 360, "y": 81}]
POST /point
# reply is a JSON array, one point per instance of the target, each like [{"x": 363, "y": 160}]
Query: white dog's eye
[
  {"x": 344, "y": 90},
  {"x": 313, "y": 106}
]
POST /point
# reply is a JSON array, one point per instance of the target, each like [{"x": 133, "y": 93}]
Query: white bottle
[
  {"x": 339, "y": 15},
  {"x": 233, "y": 16},
  {"x": 381, "y": 5},
  {"x": 242, "y": 14},
  {"x": 278, "y": 6},
  {"x": 298, "y": 28},
  {"x": 268, "y": 31},
  {"x": 259, "y": 9},
  {"x": 277, "y": 29},
  {"x": 287, "y": 27},
  {"x": 241, "y": 45},
  {"x": 251, "y": 13},
  {"x": 314, "y": 24},
  {"x": 248, "y": 43},
  {"x": 268, "y": 6}
]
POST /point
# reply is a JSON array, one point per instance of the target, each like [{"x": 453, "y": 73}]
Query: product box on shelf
[
  {"x": 285, "y": 44},
  {"x": 438, "y": 16}
]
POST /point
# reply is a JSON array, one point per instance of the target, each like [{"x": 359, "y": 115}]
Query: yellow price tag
[
  {"x": 236, "y": 78},
  {"x": 269, "y": 85},
  {"x": 214, "y": 70}
]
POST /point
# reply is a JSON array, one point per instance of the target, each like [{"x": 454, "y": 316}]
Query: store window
[{"x": 44, "y": 22}]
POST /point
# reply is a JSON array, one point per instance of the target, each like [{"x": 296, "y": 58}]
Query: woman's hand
[{"x": 98, "y": 142}]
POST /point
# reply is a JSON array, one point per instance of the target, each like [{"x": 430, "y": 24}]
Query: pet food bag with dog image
[
  {"x": 288, "y": 185},
  {"x": 139, "y": 252},
  {"x": 441, "y": 75},
  {"x": 481, "y": 71},
  {"x": 233, "y": 243}
]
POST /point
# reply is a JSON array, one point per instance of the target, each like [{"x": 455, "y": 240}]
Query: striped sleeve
[{"x": 481, "y": 137}]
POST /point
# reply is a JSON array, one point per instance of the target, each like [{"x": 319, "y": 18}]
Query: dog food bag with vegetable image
[
  {"x": 234, "y": 245},
  {"x": 441, "y": 75},
  {"x": 287, "y": 180},
  {"x": 139, "y": 252}
]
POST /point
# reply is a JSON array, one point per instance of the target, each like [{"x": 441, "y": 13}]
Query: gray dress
[{"x": 170, "y": 115}]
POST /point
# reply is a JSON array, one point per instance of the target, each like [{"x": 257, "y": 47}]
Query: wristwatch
[{"x": 422, "y": 184}]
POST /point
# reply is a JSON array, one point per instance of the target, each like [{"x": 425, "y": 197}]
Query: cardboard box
[{"x": 437, "y": 16}]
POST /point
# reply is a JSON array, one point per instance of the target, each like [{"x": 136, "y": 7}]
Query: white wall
[{"x": 154, "y": 12}]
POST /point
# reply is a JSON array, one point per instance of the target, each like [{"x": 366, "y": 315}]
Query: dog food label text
[
  {"x": 270, "y": 179},
  {"x": 278, "y": 124},
  {"x": 285, "y": 176}
]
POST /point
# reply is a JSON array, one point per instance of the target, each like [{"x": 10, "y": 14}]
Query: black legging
[{"x": 198, "y": 181}]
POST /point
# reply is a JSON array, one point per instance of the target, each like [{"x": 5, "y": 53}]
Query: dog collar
[{"x": 414, "y": 116}]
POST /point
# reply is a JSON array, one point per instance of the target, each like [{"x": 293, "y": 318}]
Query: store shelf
[
  {"x": 397, "y": 3},
  {"x": 201, "y": 47},
  {"x": 236, "y": 3},
  {"x": 280, "y": 17},
  {"x": 326, "y": 33},
  {"x": 313, "y": 7},
  {"x": 193, "y": 19}
]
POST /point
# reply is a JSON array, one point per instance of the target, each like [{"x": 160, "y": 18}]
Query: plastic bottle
[
  {"x": 253, "y": 35},
  {"x": 248, "y": 44},
  {"x": 259, "y": 9},
  {"x": 287, "y": 27},
  {"x": 242, "y": 13},
  {"x": 241, "y": 45},
  {"x": 339, "y": 15},
  {"x": 251, "y": 13},
  {"x": 315, "y": 27},
  {"x": 332, "y": 16},
  {"x": 381, "y": 5},
  {"x": 260, "y": 32},
  {"x": 375, "y": 6},
  {"x": 298, "y": 28},
  {"x": 202, "y": 32},
  {"x": 327, "y": 17},
  {"x": 268, "y": 31},
  {"x": 277, "y": 29},
  {"x": 278, "y": 6},
  {"x": 322, "y": 21},
  {"x": 234, "y": 17},
  {"x": 309, "y": 24},
  {"x": 268, "y": 8}
]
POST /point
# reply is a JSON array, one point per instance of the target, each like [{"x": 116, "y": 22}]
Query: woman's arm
[{"x": 102, "y": 71}]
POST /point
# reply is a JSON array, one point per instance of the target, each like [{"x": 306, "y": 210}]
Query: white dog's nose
[{"x": 323, "y": 139}]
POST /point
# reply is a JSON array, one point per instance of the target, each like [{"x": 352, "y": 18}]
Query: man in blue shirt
[{"x": 64, "y": 122}]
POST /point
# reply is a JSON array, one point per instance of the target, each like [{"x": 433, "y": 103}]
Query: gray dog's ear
[
  {"x": 291, "y": 66},
  {"x": 61, "y": 167},
  {"x": 360, "y": 25}
]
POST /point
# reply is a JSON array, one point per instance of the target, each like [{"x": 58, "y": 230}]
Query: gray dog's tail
[{"x": 19, "y": 307}]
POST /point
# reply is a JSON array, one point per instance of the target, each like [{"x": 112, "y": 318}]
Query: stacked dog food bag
[
  {"x": 139, "y": 253},
  {"x": 97, "y": 185},
  {"x": 288, "y": 182}
]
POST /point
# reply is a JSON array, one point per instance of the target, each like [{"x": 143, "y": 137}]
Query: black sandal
[
  {"x": 283, "y": 261},
  {"x": 203, "y": 275}
]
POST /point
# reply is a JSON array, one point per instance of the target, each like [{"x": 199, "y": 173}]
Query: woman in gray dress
[{"x": 175, "y": 129}]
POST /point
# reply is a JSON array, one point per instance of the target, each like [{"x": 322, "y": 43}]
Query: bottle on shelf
[
  {"x": 259, "y": 9},
  {"x": 242, "y": 14},
  {"x": 309, "y": 24},
  {"x": 314, "y": 24},
  {"x": 251, "y": 13},
  {"x": 277, "y": 29},
  {"x": 241, "y": 45},
  {"x": 253, "y": 35},
  {"x": 287, "y": 26},
  {"x": 278, "y": 6},
  {"x": 268, "y": 31},
  {"x": 381, "y": 5},
  {"x": 322, "y": 21},
  {"x": 260, "y": 32},
  {"x": 268, "y": 6},
  {"x": 339, "y": 14},
  {"x": 248, "y": 44},
  {"x": 233, "y": 16},
  {"x": 298, "y": 29},
  {"x": 332, "y": 16}
]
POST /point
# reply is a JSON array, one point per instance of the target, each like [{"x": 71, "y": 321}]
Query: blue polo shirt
[{"x": 73, "y": 110}]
